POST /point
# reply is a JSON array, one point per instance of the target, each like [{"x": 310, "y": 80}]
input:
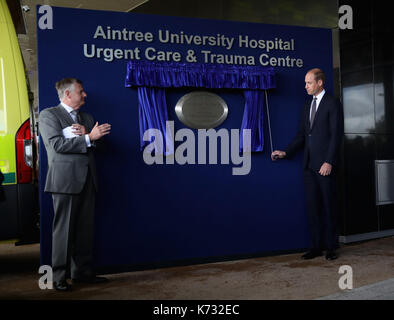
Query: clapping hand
[
  {"x": 99, "y": 131},
  {"x": 78, "y": 129}
]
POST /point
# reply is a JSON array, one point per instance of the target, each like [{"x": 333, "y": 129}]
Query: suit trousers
[
  {"x": 72, "y": 236},
  {"x": 321, "y": 209}
]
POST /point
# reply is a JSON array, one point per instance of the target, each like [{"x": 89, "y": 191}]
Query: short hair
[
  {"x": 66, "y": 84},
  {"x": 319, "y": 74}
]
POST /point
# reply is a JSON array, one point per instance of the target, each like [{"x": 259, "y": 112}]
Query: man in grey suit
[{"x": 69, "y": 137}]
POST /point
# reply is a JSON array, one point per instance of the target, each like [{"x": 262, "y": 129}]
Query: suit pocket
[{"x": 67, "y": 176}]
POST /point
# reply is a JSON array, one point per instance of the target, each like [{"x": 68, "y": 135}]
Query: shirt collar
[
  {"x": 320, "y": 96},
  {"x": 68, "y": 108}
]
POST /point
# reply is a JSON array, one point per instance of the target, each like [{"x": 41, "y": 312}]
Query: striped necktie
[{"x": 313, "y": 113}]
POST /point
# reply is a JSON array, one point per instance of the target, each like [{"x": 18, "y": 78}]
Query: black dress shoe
[
  {"x": 331, "y": 255},
  {"x": 62, "y": 285},
  {"x": 90, "y": 280},
  {"x": 311, "y": 254}
]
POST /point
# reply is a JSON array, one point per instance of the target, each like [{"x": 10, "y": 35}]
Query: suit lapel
[
  {"x": 308, "y": 115},
  {"x": 81, "y": 118},
  {"x": 64, "y": 115},
  {"x": 318, "y": 111}
]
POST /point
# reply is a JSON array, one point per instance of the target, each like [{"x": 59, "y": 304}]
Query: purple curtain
[
  {"x": 253, "y": 119},
  {"x": 152, "y": 111},
  {"x": 167, "y": 75},
  {"x": 152, "y": 78}
]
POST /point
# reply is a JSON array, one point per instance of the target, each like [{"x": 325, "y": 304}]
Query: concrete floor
[{"x": 277, "y": 277}]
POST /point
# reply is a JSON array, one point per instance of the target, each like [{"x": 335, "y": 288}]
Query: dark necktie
[
  {"x": 313, "y": 113},
  {"x": 76, "y": 116}
]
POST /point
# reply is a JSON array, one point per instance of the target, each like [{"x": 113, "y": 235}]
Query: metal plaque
[{"x": 201, "y": 110}]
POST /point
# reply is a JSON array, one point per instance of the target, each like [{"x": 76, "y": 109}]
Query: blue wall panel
[{"x": 167, "y": 213}]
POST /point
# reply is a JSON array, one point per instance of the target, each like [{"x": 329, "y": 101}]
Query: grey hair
[{"x": 66, "y": 84}]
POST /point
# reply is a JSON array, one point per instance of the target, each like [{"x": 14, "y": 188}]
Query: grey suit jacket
[{"x": 68, "y": 159}]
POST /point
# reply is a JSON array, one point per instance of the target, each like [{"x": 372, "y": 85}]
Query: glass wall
[{"x": 367, "y": 60}]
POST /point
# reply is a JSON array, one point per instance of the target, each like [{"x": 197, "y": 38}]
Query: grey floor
[
  {"x": 383, "y": 290},
  {"x": 283, "y": 277}
]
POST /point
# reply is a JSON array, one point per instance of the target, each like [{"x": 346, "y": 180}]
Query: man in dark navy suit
[{"x": 320, "y": 133}]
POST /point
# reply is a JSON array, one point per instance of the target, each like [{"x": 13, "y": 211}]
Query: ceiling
[
  {"x": 27, "y": 39},
  {"x": 118, "y": 5}
]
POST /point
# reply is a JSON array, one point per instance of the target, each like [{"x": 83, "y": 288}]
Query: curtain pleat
[
  {"x": 175, "y": 75},
  {"x": 253, "y": 119}
]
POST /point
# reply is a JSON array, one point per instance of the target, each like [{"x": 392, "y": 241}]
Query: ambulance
[{"x": 19, "y": 210}]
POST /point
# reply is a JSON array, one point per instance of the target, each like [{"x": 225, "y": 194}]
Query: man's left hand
[
  {"x": 325, "y": 169},
  {"x": 78, "y": 129}
]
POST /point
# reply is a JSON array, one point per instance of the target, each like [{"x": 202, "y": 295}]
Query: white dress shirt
[{"x": 74, "y": 117}]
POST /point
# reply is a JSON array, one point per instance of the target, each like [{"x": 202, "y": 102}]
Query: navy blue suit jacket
[{"x": 322, "y": 142}]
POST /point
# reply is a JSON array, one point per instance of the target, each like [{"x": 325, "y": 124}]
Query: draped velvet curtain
[
  {"x": 152, "y": 78},
  {"x": 152, "y": 111},
  {"x": 253, "y": 119}
]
